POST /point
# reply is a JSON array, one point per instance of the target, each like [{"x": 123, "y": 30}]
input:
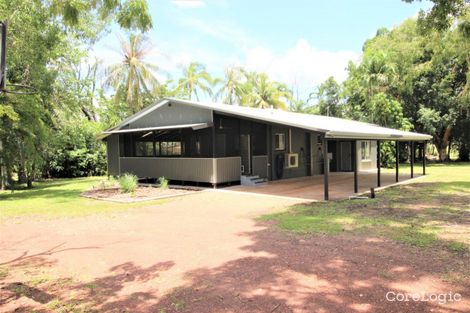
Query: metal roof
[
  {"x": 332, "y": 127},
  {"x": 134, "y": 130}
]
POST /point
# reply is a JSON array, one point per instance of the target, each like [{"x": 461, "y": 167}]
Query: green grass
[
  {"x": 59, "y": 198},
  {"x": 433, "y": 211}
]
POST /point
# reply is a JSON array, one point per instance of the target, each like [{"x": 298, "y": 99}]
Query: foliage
[
  {"x": 195, "y": 80},
  {"x": 128, "y": 183},
  {"x": 129, "y": 14},
  {"x": 75, "y": 151},
  {"x": 163, "y": 182},
  {"x": 412, "y": 80},
  {"x": 441, "y": 15},
  {"x": 329, "y": 98},
  {"x": 228, "y": 91},
  {"x": 24, "y": 130},
  {"x": 133, "y": 78},
  {"x": 261, "y": 92},
  {"x": 47, "y": 49}
]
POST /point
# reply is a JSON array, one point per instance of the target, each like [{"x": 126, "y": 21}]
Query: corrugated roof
[
  {"x": 332, "y": 127},
  {"x": 144, "y": 129}
]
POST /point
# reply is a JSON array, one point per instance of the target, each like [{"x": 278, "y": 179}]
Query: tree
[
  {"x": 195, "y": 80},
  {"x": 409, "y": 76},
  {"x": 133, "y": 78},
  {"x": 129, "y": 14},
  {"x": 228, "y": 91},
  {"x": 259, "y": 91},
  {"x": 329, "y": 98},
  {"x": 442, "y": 14}
]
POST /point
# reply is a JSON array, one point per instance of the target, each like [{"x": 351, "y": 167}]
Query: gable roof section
[{"x": 332, "y": 127}]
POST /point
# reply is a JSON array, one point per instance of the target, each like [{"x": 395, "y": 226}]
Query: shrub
[
  {"x": 106, "y": 184},
  {"x": 75, "y": 151},
  {"x": 163, "y": 182},
  {"x": 128, "y": 183}
]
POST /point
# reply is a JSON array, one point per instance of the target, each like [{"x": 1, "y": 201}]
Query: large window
[
  {"x": 144, "y": 148},
  {"x": 365, "y": 150},
  {"x": 169, "y": 148},
  {"x": 143, "y": 144},
  {"x": 168, "y": 143}
]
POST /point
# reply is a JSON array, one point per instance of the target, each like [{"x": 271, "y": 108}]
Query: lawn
[
  {"x": 58, "y": 198},
  {"x": 432, "y": 212}
]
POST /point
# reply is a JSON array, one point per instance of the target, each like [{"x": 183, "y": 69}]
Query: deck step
[{"x": 252, "y": 180}]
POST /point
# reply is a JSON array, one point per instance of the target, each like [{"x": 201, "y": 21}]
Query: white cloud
[
  {"x": 302, "y": 65},
  {"x": 189, "y": 3}
]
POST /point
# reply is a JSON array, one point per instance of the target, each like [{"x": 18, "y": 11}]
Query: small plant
[
  {"x": 128, "y": 183},
  {"x": 106, "y": 184},
  {"x": 163, "y": 182}
]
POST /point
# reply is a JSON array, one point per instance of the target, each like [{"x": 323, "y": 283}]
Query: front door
[
  {"x": 245, "y": 153},
  {"x": 346, "y": 156}
]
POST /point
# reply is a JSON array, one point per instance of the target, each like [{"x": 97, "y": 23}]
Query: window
[
  {"x": 365, "y": 150},
  {"x": 280, "y": 141},
  {"x": 169, "y": 148},
  {"x": 144, "y": 148}
]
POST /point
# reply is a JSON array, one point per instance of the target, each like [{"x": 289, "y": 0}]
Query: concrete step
[{"x": 252, "y": 180}]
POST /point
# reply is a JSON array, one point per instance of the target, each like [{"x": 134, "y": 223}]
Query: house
[{"x": 191, "y": 141}]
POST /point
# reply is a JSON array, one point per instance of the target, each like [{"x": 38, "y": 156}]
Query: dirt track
[{"x": 207, "y": 253}]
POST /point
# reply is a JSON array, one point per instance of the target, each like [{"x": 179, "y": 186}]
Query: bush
[
  {"x": 163, "y": 182},
  {"x": 75, "y": 152},
  {"x": 128, "y": 183}
]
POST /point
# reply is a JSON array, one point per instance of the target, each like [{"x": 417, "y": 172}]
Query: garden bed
[{"x": 142, "y": 193}]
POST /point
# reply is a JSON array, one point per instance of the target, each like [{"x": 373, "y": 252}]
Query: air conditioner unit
[{"x": 292, "y": 160}]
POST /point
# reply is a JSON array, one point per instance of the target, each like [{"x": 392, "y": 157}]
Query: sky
[{"x": 299, "y": 42}]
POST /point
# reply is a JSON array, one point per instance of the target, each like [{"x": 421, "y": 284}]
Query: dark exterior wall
[
  {"x": 300, "y": 144},
  {"x": 316, "y": 154},
  {"x": 112, "y": 145},
  {"x": 227, "y": 136}
]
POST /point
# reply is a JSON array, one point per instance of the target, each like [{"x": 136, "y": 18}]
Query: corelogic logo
[{"x": 441, "y": 298}]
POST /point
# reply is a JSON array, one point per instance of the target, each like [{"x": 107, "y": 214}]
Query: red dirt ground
[{"x": 206, "y": 252}]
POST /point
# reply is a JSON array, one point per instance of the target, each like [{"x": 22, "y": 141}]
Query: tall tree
[
  {"x": 195, "y": 80},
  {"x": 133, "y": 78},
  {"x": 329, "y": 98},
  {"x": 409, "y": 76},
  {"x": 259, "y": 91},
  {"x": 228, "y": 91}
]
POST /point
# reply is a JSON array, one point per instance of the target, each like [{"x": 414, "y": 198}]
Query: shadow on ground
[{"x": 294, "y": 274}]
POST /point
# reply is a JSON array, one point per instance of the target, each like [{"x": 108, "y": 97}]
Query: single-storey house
[{"x": 191, "y": 141}]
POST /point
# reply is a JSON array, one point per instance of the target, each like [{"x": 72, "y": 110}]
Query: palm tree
[
  {"x": 228, "y": 91},
  {"x": 195, "y": 78},
  {"x": 133, "y": 77},
  {"x": 261, "y": 92}
]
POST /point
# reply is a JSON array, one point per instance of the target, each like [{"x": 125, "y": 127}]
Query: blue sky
[{"x": 299, "y": 42}]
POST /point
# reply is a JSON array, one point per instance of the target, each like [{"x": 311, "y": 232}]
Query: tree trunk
[
  {"x": 3, "y": 169},
  {"x": 30, "y": 177},
  {"x": 89, "y": 114},
  {"x": 442, "y": 144}
]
